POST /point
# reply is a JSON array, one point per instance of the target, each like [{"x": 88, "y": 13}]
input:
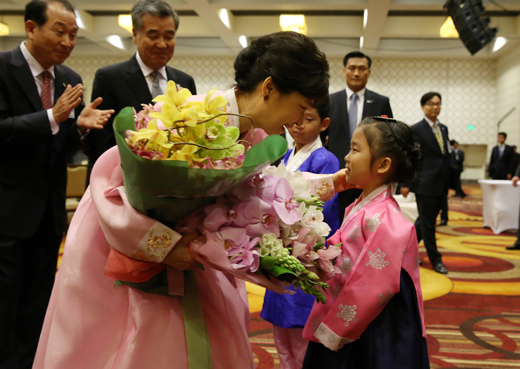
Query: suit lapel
[
  {"x": 172, "y": 76},
  {"x": 343, "y": 108},
  {"x": 368, "y": 104},
  {"x": 137, "y": 82},
  {"x": 60, "y": 82},
  {"x": 23, "y": 75}
]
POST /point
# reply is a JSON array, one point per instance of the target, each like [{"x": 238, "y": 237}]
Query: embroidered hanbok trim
[
  {"x": 156, "y": 244},
  {"x": 330, "y": 339}
]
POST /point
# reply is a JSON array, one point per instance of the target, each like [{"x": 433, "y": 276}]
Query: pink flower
[
  {"x": 325, "y": 261},
  {"x": 258, "y": 217},
  {"x": 218, "y": 215},
  {"x": 278, "y": 191},
  {"x": 304, "y": 253}
]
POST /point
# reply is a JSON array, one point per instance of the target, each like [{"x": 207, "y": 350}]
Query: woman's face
[{"x": 281, "y": 109}]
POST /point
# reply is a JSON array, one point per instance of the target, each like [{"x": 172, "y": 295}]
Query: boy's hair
[
  {"x": 453, "y": 142},
  {"x": 392, "y": 138},
  {"x": 322, "y": 108}
]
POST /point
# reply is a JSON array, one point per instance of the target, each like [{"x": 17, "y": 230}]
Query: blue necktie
[
  {"x": 156, "y": 87},
  {"x": 352, "y": 114}
]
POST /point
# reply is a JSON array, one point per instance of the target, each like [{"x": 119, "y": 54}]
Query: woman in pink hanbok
[
  {"x": 373, "y": 317},
  {"x": 93, "y": 323}
]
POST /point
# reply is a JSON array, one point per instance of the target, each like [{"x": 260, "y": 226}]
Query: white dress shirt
[{"x": 163, "y": 78}]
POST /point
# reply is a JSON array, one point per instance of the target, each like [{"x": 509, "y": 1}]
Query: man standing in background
[
  {"x": 348, "y": 107},
  {"x": 432, "y": 180},
  {"x": 457, "y": 166},
  {"x": 41, "y": 116},
  {"x": 501, "y": 157},
  {"x": 138, "y": 80}
]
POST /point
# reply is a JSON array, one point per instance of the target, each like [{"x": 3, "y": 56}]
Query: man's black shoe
[
  {"x": 443, "y": 223},
  {"x": 440, "y": 268},
  {"x": 516, "y": 246}
]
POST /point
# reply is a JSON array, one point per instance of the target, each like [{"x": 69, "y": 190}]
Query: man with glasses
[
  {"x": 138, "y": 80},
  {"x": 432, "y": 180},
  {"x": 348, "y": 107}
]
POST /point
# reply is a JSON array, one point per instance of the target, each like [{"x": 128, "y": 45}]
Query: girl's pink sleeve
[{"x": 138, "y": 243}]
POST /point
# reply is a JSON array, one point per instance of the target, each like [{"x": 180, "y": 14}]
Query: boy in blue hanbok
[{"x": 289, "y": 313}]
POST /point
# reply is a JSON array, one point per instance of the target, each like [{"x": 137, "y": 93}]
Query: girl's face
[{"x": 360, "y": 171}]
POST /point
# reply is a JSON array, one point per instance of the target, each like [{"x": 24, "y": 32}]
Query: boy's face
[{"x": 308, "y": 128}]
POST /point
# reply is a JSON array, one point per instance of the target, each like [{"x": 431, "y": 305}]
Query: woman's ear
[
  {"x": 267, "y": 86},
  {"x": 384, "y": 165}
]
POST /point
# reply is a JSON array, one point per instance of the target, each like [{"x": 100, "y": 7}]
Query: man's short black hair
[
  {"x": 357, "y": 54},
  {"x": 36, "y": 10},
  {"x": 428, "y": 96}
]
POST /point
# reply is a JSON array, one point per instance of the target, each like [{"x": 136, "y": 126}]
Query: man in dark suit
[
  {"x": 348, "y": 107},
  {"x": 41, "y": 116},
  {"x": 432, "y": 180},
  {"x": 501, "y": 157},
  {"x": 457, "y": 166},
  {"x": 131, "y": 83}
]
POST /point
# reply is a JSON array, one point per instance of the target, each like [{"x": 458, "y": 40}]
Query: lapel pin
[{"x": 369, "y": 101}]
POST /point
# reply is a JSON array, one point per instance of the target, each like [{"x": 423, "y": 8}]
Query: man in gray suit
[
  {"x": 348, "y": 107},
  {"x": 138, "y": 80}
]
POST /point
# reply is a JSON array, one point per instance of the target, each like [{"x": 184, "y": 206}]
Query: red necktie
[{"x": 46, "y": 90}]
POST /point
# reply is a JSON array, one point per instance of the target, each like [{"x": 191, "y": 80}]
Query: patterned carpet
[{"x": 472, "y": 315}]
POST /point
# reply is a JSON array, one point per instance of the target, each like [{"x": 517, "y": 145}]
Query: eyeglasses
[{"x": 433, "y": 104}]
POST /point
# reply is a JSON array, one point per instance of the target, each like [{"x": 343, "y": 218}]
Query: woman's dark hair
[
  {"x": 291, "y": 59},
  {"x": 392, "y": 138},
  {"x": 428, "y": 96},
  {"x": 36, "y": 10}
]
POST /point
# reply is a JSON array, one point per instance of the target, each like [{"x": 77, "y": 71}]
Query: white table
[{"x": 500, "y": 204}]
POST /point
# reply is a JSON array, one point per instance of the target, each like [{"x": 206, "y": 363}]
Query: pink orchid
[
  {"x": 326, "y": 256},
  {"x": 258, "y": 217},
  {"x": 304, "y": 253},
  {"x": 218, "y": 215},
  {"x": 278, "y": 191}
]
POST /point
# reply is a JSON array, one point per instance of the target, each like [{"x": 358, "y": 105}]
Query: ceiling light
[
  {"x": 448, "y": 29},
  {"x": 499, "y": 42},
  {"x": 293, "y": 22},
  {"x": 361, "y": 41},
  {"x": 365, "y": 18},
  {"x": 243, "y": 41},
  {"x": 125, "y": 21},
  {"x": 4, "y": 29},
  {"x": 224, "y": 17},
  {"x": 116, "y": 40}
]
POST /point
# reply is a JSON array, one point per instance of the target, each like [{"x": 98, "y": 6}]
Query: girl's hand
[
  {"x": 179, "y": 257},
  {"x": 340, "y": 183}
]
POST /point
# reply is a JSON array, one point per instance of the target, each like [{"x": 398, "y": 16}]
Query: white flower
[
  {"x": 268, "y": 240},
  {"x": 264, "y": 251}
]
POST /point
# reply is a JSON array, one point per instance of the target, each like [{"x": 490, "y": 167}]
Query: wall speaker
[{"x": 473, "y": 28}]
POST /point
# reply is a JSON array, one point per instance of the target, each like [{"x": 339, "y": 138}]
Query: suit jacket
[
  {"x": 121, "y": 85},
  {"x": 500, "y": 167},
  {"x": 339, "y": 131},
  {"x": 433, "y": 173},
  {"x": 457, "y": 164},
  {"x": 33, "y": 167}
]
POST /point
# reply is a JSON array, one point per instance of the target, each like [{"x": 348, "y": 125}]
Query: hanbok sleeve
[
  {"x": 322, "y": 185},
  {"x": 139, "y": 243},
  {"x": 372, "y": 282}
]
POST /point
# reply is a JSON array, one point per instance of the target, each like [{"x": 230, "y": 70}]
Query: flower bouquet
[
  {"x": 269, "y": 226},
  {"x": 184, "y": 165}
]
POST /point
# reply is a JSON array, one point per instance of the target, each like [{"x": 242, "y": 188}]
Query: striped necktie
[
  {"x": 156, "y": 87},
  {"x": 46, "y": 90},
  {"x": 353, "y": 114},
  {"x": 438, "y": 136}
]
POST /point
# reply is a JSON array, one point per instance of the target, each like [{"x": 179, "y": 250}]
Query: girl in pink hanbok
[
  {"x": 373, "y": 317},
  {"x": 93, "y": 323}
]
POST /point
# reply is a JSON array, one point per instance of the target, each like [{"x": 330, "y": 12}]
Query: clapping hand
[
  {"x": 68, "y": 101},
  {"x": 92, "y": 118},
  {"x": 515, "y": 180}
]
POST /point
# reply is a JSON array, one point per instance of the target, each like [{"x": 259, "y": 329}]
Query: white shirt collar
[
  {"x": 233, "y": 106},
  {"x": 430, "y": 122},
  {"x": 295, "y": 160},
  {"x": 147, "y": 70},
  {"x": 36, "y": 68},
  {"x": 360, "y": 93}
]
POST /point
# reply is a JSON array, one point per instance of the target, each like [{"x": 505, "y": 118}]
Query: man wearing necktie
[
  {"x": 42, "y": 117},
  {"x": 432, "y": 179},
  {"x": 502, "y": 156},
  {"x": 348, "y": 107},
  {"x": 138, "y": 80}
]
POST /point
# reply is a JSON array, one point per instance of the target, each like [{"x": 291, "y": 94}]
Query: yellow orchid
[
  {"x": 172, "y": 96},
  {"x": 214, "y": 106}
]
